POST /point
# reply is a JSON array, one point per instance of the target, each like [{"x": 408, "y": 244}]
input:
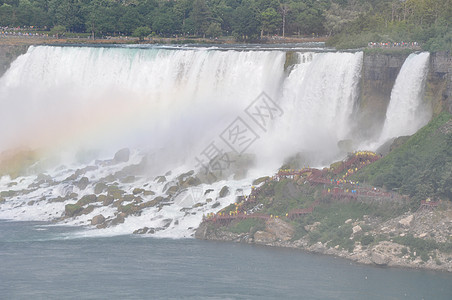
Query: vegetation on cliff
[
  {"x": 421, "y": 167},
  {"x": 335, "y": 214}
]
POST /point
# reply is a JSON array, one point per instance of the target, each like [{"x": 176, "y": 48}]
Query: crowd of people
[
  {"x": 393, "y": 45},
  {"x": 21, "y": 32}
]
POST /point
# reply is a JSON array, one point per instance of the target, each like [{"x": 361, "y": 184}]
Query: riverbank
[
  {"x": 387, "y": 247},
  {"x": 344, "y": 211}
]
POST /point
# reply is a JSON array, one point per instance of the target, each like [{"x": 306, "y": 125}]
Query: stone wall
[{"x": 8, "y": 53}]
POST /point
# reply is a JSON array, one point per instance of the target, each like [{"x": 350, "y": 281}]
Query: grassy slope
[{"x": 420, "y": 168}]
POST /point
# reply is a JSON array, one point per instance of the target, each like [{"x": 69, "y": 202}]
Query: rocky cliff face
[
  {"x": 378, "y": 77},
  {"x": 439, "y": 85},
  {"x": 379, "y": 73},
  {"x": 8, "y": 53}
]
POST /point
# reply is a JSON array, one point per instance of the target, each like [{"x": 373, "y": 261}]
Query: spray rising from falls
[
  {"x": 173, "y": 109},
  {"x": 407, "y": 112}
]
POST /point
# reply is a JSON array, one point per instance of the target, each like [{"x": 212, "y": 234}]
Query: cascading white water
[
  {"x": 173, "y": 103},
  {"x": 320, "y": 96},
  {"x": 406, "y": 111}
]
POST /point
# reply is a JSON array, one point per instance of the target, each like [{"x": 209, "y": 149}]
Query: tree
[
  {"x": 214, "y": 30},
  {"x": 201, "y": 16},
  {"x": 269, "y": 21},
  {"x": 284, "y": 9},
  {"x": 142, "y": 32},
  {"x": 58, "y": 30},
  {"x": 246, "y": 24}
]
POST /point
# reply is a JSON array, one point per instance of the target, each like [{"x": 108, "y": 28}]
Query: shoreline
[
  {"x": 386, "y": 252},
  {"x": 342, "y": 254}
]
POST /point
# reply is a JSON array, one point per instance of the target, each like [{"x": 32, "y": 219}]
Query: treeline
[
  {"x": 357, "y": 22},
  {"x": 351, "y": 22},
  {"x": 245, "y": 19}
]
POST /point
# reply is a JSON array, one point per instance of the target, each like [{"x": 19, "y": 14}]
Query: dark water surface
[{"x": 46, "y": 262}]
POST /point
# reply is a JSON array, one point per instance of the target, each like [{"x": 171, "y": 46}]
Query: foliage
[
  {"x": 351, "y": 23},
  {"x": 422, "y": 247},
  {"x": 367, "y": 240},
  {"x": 424, "y": 21},
  {"x": 142, "y": 32},
  {"x": 248, "y": 225},
  {"x": 420, "y": 168}
]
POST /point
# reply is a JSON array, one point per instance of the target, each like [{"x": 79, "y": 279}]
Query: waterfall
[
  {"x": 406, "y": 111},
  {"x": 174, "y": 103}
]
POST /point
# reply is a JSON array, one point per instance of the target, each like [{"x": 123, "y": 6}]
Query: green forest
[{"x": 348, "y": 23}]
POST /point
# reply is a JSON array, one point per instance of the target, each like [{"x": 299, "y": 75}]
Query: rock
[
  {"x": 263, "y": 237},
  {"x": 181, "y": 178},
  {"x": 224, "y": 191},
  {"x": 128, "y": 179},
  {"x": 260, "y": 180},
  {"x": 137, "y": 191},
  {"x": 406, "y": 222},
  {"x": 380, "y": 259},
  {"x": 106, "y": 200},
  {"x": 281, "y": 230},
  {"x": 122, "y": 155},
  {"x": 148, "y": 193},
  {"x": 201, "y": 231},
  {"x": 312, "y": 227},
  {"x": 118, "y": 220},
  {"x": 357, "y": 229},
  {"x": 318, "y": 248},
  {"x": 71, "y": 210},
  {"x": 141, "y": 230},
  {"x": 160, "y": 179},
  {"x": 173, "y": 190},
  {"x": 87, "y": 199},
  {"x": 82, "y": 183},
  {"x": 97, "y": 220},
  {"x": 348, "y": 221},
  {"x": 100, "y": 188},
  {"x": 190, "y": 181},
  {"x": 423, "y": 235}
]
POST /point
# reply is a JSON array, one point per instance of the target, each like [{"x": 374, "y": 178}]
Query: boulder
[
  {"x": 224, "y": 191},
  {"x": 407, "y": 221},
  {"x": 82, "y": 183},
  {"x": 357, "y": 229},
  {"x": 97, "y": 220},
  {"x": 263, "y": 237},
  {"x": 281, "y": 230},
  {"x": 137, "y": 191},
  {"x": 201, "y": 232},
  {"x": 71, "y": 210},
  {"x": 100, "y": 188},
  {"x": 106, "y": 200},
  {"x": 379, "y": 259},
  {"x": 160, "y": 179},
  {"x": 87, "y": 199},
  {"x": 143, "y": 230},
  {"x": 122, "y": 155},
  {"x": 311, "y": 227},
  {"x": 173, "y": 190},
  {"x": 87, "y": 210}
]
